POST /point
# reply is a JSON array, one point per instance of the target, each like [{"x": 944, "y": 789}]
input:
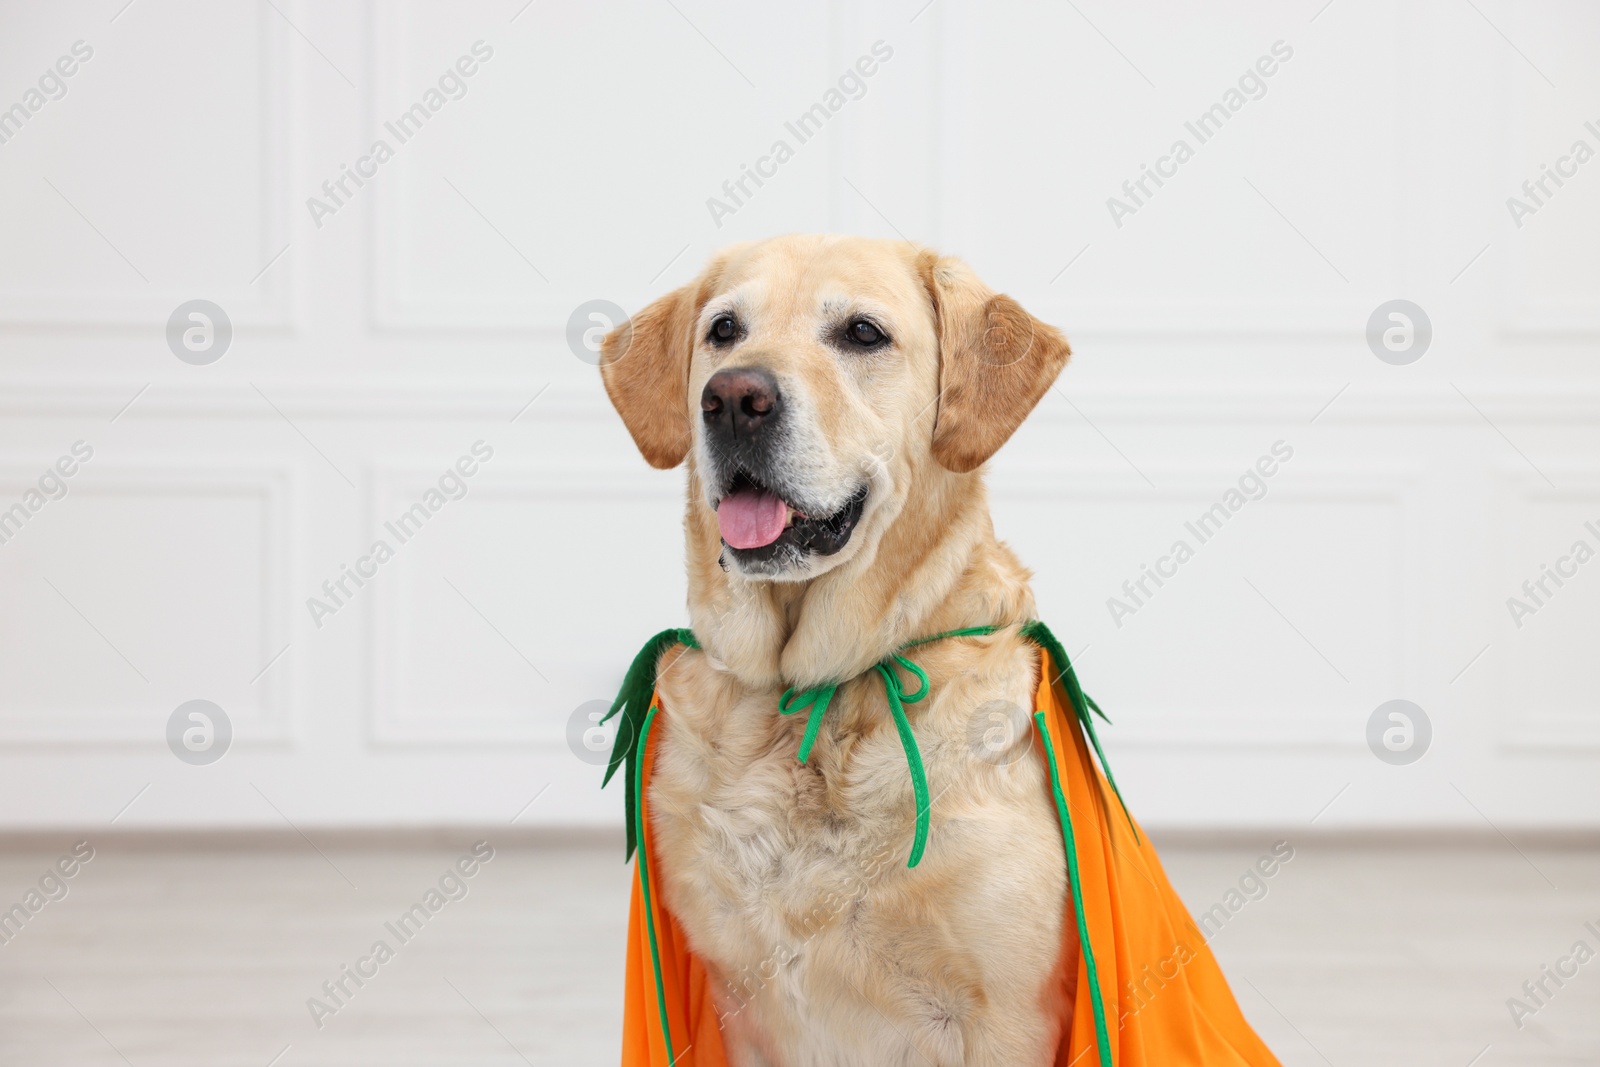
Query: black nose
[{"x": 740, "y": 401}]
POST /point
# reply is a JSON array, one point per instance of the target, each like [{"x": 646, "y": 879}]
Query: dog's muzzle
[{"x": 761, "y": 517}]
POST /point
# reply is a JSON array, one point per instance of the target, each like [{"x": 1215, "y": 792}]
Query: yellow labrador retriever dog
[{"x": 835, "y": 399}]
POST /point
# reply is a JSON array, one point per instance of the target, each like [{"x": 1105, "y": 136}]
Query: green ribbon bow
[{"x": 818, "y": 697}]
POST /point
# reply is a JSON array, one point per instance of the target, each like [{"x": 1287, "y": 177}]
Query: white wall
[{"x": 371, "y": 351}]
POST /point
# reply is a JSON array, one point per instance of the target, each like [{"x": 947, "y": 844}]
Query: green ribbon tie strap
[
  {"x": 638, "y": 686},
  {"x": 817, "y": 698}
]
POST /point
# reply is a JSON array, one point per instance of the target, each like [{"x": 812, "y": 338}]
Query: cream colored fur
[{"x": 791, "y": 880}]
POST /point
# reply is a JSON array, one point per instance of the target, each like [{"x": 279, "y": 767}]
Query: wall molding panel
[
  {"x": 260, "y": 702},
  {"x": 267, "y": 301}
]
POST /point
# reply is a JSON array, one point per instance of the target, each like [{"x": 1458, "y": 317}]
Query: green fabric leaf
[
  {"x": 633, "y": 701},
  {"x": 1037, "y": 632}
]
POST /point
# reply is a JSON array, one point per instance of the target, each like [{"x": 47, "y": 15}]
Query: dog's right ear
[{"x": 645, "y": 366}]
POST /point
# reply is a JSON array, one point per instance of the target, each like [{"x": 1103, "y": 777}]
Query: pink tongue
[{"x": 752, "y": 518}]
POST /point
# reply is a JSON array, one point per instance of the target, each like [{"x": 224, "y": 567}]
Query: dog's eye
[
  {"x": 724, "y": 330},
  {"x": 864, "y": 334}
]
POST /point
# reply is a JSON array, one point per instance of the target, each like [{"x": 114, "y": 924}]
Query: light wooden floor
[{"x": 1357, "y": 955}]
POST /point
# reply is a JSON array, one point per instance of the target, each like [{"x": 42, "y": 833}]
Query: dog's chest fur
[{"x": 791, "y": 880}]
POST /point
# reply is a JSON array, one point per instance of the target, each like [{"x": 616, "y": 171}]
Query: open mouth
[{"x": 758, "y": 524}]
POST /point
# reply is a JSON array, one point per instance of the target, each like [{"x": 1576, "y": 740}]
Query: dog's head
[{"x": 816, "y": 382}]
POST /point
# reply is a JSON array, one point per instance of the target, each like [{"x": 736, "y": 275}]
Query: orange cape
[{"x": 1149, "y": 992}]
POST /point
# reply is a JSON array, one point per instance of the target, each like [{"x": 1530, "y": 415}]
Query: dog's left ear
[
  {"x": 645, "y": 366},
  {"x": 995, "y": 362}
]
